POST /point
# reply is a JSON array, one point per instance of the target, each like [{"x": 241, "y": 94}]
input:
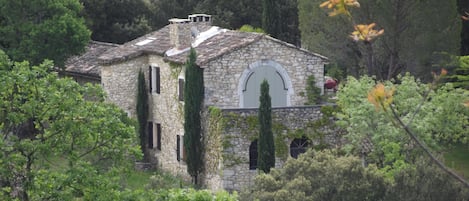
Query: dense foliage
[
  {"x": 117, "y": 21},
  {"x": 142, "y": 114},
  {"x": 408, "y": 42},
  {"x": 193, "y": 97},
  {"x": 327, "y": 176},
  {"x": 36, "y": 30},
  {"x": 266, "y": 145},
  {"x": 271, "y": 17},
  {"x": 442, "y": 118},
  {"x": 55, "y": 145}
]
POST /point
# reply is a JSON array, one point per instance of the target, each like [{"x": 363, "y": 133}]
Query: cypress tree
[
  {"x": 193, "y": 97},
  {"x": 142, "y": 114},
  {"x": 266, "y": 146},
  {"x": 270, "y": 16}
]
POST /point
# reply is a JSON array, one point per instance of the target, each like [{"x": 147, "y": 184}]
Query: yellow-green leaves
[
  {"x": 380, "y": 97},
  {"x": 339, "y": 6},
  {"x": 365, "y": 32}
]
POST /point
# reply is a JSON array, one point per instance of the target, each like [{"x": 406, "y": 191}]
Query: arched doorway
[{"x": 280, "y": 86}]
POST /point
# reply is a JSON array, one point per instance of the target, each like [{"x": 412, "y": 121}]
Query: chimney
[{"x": 183, "y": 31}]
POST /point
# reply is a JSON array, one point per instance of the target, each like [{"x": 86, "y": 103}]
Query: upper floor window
[
  {"x": 181, "y": 89},
  {"x": 154, "y": 79}
]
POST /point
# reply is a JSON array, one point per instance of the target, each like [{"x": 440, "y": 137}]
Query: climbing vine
[{"x": 215, "y": 126}]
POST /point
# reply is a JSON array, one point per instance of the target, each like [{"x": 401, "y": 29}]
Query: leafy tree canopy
[
  {"x": 442, "y": 118},
  {"x": 36, "y": 30},
  {"x": 54, "y": 143},
  {"x": 118, "y": 21},
  {"x": 328, "y": 176}
]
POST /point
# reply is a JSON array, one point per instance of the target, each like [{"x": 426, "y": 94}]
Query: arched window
[
  {"x": 253, "y": 155},
  {"x": 298, "y": 146}
]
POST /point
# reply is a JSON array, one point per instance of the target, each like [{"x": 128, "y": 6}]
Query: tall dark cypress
[
  {"x": 266, "y": 146},
  {"x": 270, "y": 17},
  {"x": 142, "y": 114},
  {"x": 193, "y": 97},
  {"x": 463, "y": 7}
]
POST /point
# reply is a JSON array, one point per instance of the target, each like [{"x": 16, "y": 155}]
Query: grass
[
  {"x": 457, "y": 158},
  {"x": 156, "y": 180}
]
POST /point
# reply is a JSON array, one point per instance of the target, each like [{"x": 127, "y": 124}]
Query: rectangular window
[
  {"x": 150, "y": 135},
  {"x": 154, "y": 79},
  {"x": 178, "y": 147},
  {"x": 158, "y": 136},
  {"x": 181, "y": 89}
]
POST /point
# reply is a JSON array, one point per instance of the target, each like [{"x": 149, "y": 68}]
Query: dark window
[
  {"x": 178, "y": 147},
  {"x": 154, "y": 79},
  {"x": 158, "y": 136},
  {"x": 253, "y": 155},
  {"x": 181, "y": 89},
  {"x": 150, "y": 135},
  {"x": 298, "y": 146}
]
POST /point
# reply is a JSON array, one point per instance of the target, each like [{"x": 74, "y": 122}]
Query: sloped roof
[
  {"x": 87, "y": 63},
  {"x": 158, "y": 42},
  {"x": 159, "y": 45}
]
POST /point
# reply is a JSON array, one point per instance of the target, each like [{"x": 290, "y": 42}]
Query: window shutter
[
  {"x": 150, "y": 135},
  {"x": 158, "y": 136},
  {"x": 150, "y": 78},
  {"x": 183, "y": 152},
  {"x": 178, "y": 147},
  {"x": 157, "y": 74},
  {"x": 181, "y": 89}
]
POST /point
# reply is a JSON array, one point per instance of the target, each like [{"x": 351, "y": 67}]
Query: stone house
[{"x": 234, "y": 64}]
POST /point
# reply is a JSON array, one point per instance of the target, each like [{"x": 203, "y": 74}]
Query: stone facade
[
  {"x": 228, "y": 59},
  {"x": 241, "y": 130},
  {"x": 223, "y": 76}
]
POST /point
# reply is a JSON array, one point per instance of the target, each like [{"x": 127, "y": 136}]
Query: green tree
[
  {"x": 412, "y": 34},
  {"x": 118, "y": 21},
  {"x": 36, "y": 30},
  {"x": 313, "y": 93},
  {"x": 142, "y": 114},
  {"x": 271, "y": 17},
  {"x": 193, "y": 98},
  {"x": 442, "y": 118},
  {"x": 54, "y": 144},
  {"x": 319, "y": 176},
  {"x": 463, "y": 8},
  {"x": 266, "y": 146},
  {"x": 326, "y": 175},
  {"x": 425, "y": 182}
]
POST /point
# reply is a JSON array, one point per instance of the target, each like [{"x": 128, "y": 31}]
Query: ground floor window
[{"x": 298, "y": 146}]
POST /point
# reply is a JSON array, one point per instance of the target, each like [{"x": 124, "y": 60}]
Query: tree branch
[{"x": 427, "y": 151}]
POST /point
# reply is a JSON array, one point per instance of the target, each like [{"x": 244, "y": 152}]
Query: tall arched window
[
  {"x": 298, "y": 146},
  {"x": 253, "y": 155}
]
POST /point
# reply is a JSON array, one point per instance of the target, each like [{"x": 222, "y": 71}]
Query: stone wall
[
  {"x": 120, "y": 83},
  {"x": 241, "y": 129},
  {"x": 222, "y": 76},
  {"x": 168, "y": 111}
]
